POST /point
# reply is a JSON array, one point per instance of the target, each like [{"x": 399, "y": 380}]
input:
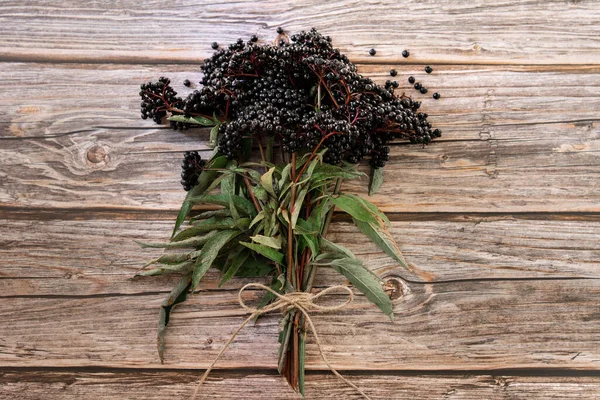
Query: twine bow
[{"x": 301, "y": 301}]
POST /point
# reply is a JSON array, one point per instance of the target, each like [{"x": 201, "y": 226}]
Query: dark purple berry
[
  {"x": 436, "y": 95},
  {"x": 214, "y": 45},
  {"x": 187, "y": 83},
  {"x": 372, "y": 52},
  {"x": 411, "y": 79},
  {"x": 279, "y": 30},
  {"x": 428, "y": 69},
  {"x": 423, "y": 89},
  {"x": 405, "y": 53},
  {"x": 393, "y": 72}
]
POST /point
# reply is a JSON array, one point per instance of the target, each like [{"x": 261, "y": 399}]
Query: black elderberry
[
  {"x": 428, "y": 69},
  {"x": 418, "y": 86},
  {"x": 372, "y": 52},
  {"x": 405, "y": 53},
  {"x": 254, "y": 38},
  {"x": 393, "y": 72},
  {"x": 436, "y": 95},
  {"x": 191, "y": 167},
  {"x": 187, "y": 83},
  {"x": 423, "y": 89},
  {"x": 279, "y": 30},
  {"x": 411, "y": 79},
  {"x": 270, "y": 91},
  {"x": 214, "y": 45}
]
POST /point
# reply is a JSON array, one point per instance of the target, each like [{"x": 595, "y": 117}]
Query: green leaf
[
  {"x": 209, "y": 253},
  {"x": 192, "y": 120},
  {"x": 268, "y": 252},
  {"x": 204, "y": 226},
  {"x": 214, "y": 136},
  {"x": 312, "y": 241},
  {"x": 237, "y": 262},
  {"x": 266, "y": 180},
  {"x": 354, "y": 206},
  {"x": 273, "y": 242},
  {"x": 168, "y": 269},
  {"x": 378, "y": 213},
  {"x": 193, "y": 242},
  {"x": 177, "y": 295},
  {"x": 260, "y": 193},
  {"x": 233, "y": 209},
  {"x": 259, "y": 217},
  {"x": 204, "y": 180},
  {"x": 255, "y": 268},
  {"x": 298, "y": 206},
  {"x": 228, "y": 183},
  {"x": 211, "y": 213},
  {"x": 383, "y": 239},
  {"x": 365, "y": 281},
  {"x": 336, "y": 248},
  {"x": 243, "y": 204},
  {"x": 375, "y": 180}
]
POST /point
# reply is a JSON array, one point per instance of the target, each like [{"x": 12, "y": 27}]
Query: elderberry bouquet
[{"x": 289, "y": 123}]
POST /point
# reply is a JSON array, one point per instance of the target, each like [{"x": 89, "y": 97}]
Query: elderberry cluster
[
  {"x": 191, "y": 167},
  {"x": 157, "y": 99},
  {"x": 305, "y": 94}
]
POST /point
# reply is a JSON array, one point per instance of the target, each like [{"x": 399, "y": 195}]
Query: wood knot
[
  {"x": 97, "y": 154},
  {"x": 395, "y": 288}
]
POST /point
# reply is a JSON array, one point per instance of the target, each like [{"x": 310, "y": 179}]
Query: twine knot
[{"x": 301, "y": 301}]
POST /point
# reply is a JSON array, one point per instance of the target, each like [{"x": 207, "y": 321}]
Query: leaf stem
[
  {"x": 251, "y": 194},
  {"x": 290, "y": 244}
]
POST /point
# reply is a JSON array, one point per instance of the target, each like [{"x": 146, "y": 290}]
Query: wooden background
[{"x": 500, "y": 218}]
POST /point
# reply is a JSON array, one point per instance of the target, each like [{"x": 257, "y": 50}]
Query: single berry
[
  {"x": 393, "y": 72},
  {"x": 405, "y": 53},
  {"x": 437, "y": 133},
  {"x": 279, "y": 30},
  {"x": 254, "y": 38},
  {"x": 187, "y": 83},
  {"x": 423, "y": 89},
  {"x": 411, "y": 79},
  {"x": 418, "y": 86},
  {"x": 214, "y": 45},
  {"x": 428, "y": 69},
  {"x": 436, "y": 95},
  {"x": 372, "y": 52}
]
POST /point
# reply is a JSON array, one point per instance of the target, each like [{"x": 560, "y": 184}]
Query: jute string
[{"x": 301, "y": 301}]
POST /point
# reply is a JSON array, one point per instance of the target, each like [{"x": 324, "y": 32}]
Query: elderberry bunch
[
  {"x": 157, "y": 98},
  {"x": 303, "y": 94},
  {"x": 191, "y": 167}
]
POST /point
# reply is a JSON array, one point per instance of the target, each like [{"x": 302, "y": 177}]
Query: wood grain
[
  {"x": 65, "y": 385},
  {"x": 98, "y": 256},
  {"x": 449, "y": 31},
  {"x": 530, "y": 146},
  {"x": 457, "y": 325}
]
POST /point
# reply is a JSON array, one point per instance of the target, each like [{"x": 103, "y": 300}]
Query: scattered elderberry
[
  {"x": 418, "y": 86},
  {"x": 254, "y": 38},
  {"x": 393, "y": 72},
  {"x": 428, "y": 69},
  {"x": 187, "y": 83},
  {"x": 423, "y": 89},
  {"x": 372, "y": 52},
  {"x": 191, "y": 167},
  {"x": 214, "y": 45},
  {"x": 411, "y": 79},
  {"x": 436, "y": 95},
  {"x": 279, "y": 30},
  {"x": 405, "y": 53}
]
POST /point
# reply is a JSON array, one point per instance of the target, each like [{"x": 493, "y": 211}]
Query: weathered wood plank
[
  {"x": 98, "y": 256},
  {"x": 450, "y": 31},
  {"x": 515, "y": 140},
  {"x": 458, "y": 325},
  {"x": 30, "y": 385}
]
